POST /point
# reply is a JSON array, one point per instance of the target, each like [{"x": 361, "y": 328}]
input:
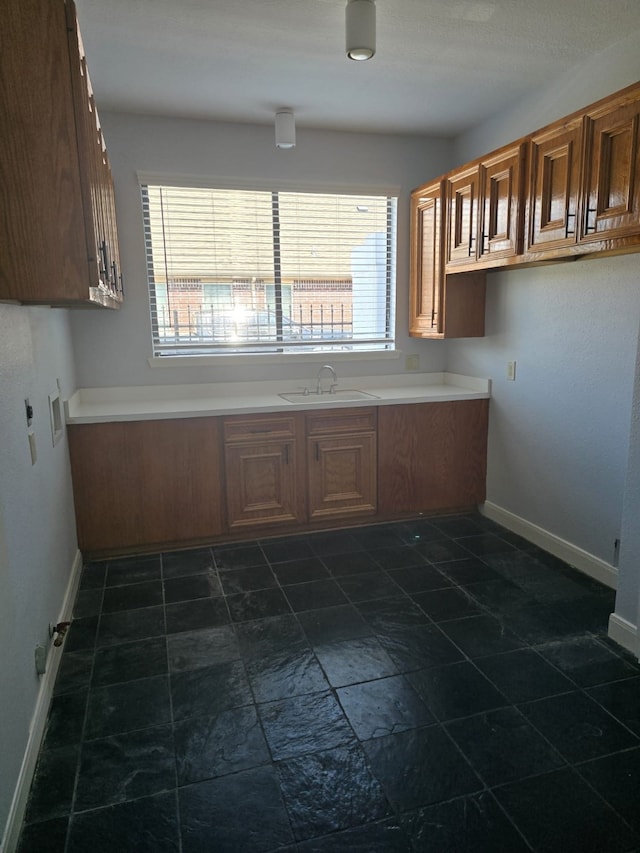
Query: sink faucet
[{"x": 332, "y": 387}]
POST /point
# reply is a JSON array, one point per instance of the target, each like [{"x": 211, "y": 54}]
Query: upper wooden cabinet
[
  {"x": 484, "y": 210},
  {"x": 440, "y": 306},
  {"x": 57, "y": 217},
  {"x": 462, "y": 217},
  {"x": 500, "y": 221},
  {"x": 585, "y": 181},
  {"x": 426, "y": 280},
  {"x": 95, "y": 171},
  {"x": 554, "y": 186},
  {"x": 611, "y": 209},
  {"x": 570, "y": 189}
]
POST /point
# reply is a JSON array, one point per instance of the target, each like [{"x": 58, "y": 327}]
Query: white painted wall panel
[
  {"x": 37, "y": 528},
  {"x": 559, "y": 434}
]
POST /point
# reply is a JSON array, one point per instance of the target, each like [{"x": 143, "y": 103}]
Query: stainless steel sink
[{"x": 342, "y": 395}]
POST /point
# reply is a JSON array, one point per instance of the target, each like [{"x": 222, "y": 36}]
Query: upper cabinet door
[
  {"x": 501, "y": 184},
  {"x": 462, "y": 217},
  {"x": 612, "y": 172},
  {"x": 95, "y": 174},
  {"x": 426, "y": 263},
  {"x": 554, "y": 184}
]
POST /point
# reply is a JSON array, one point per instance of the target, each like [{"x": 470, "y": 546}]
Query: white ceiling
[{"x": 440, "y": 67}]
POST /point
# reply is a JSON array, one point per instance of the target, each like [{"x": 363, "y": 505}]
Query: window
[{"x": 245, "y": 271}]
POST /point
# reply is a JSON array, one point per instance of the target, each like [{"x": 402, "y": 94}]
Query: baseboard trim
[
  {"x": 625, "y": 634},
  {"x": 577, "y": 557},
  {"x": 39, "y": 719}
]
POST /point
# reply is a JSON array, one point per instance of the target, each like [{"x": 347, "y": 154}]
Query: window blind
[{"x": 245, "y": 271}]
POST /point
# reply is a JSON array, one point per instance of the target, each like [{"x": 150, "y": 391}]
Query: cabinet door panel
[
  {"x": 95, "y": 173},
  {"x": 342, "y": 476},
  {"x": 500, "y": 226},
  {"x": 146, "y": 483},
  {"x": 426, "y": 264},
  {"x": 462, "y": 204},
  {"x": 432, "y": 456},
  {"x": 612, "y": 175},
  {"x": 554, "y": 184},
  {"x": 261, "y": 483}
]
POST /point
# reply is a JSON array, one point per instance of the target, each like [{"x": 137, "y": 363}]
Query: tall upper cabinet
[
  {"x": 442, "y": 305},
  {"x": 484, "y": 210},
  {"x": 58, "y": 238}
]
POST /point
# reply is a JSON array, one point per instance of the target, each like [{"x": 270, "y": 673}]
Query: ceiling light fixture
[
  {"x": 361, "y": 29},
  {"x": 285, "y": 129}
]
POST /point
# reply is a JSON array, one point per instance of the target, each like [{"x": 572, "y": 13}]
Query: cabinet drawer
[
  {"x": 332, "y": 422},
  {"x": 240, "y": 429}
]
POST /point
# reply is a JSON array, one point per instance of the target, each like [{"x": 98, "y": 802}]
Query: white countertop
[{"x": 159, "y": 402}]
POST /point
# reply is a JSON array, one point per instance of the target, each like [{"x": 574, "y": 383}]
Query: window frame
[{"x": 270, "y": 350}]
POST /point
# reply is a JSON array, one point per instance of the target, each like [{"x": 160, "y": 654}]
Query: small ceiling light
[
  {"x": 285, "y": 129},
  {"x": 361, "y": 29}
]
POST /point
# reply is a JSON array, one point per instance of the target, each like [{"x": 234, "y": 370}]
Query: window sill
[{"x": 271, "y": 358}]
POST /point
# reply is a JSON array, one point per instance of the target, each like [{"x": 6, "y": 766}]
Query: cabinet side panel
[
  {"x": 465, "y": 304},
  {"x": 432, "y": 456},
  {"x": 42, "y": 255}
]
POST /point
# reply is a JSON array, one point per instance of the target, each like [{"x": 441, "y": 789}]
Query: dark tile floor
[{"x": 433, "y": 685}]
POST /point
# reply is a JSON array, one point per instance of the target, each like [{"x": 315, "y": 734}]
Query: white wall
[
  {"x": 560, "y": 448},
  {"x": 600, "y": 75},
  {"x": 37, "y": 529},
  {"x": 628, "y": 597},
  {"x": 559, "y": 434},
  {"x": 112, "y": 349}
]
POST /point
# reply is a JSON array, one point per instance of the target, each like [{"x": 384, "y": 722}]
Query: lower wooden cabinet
[
  {"x": 432, "y": 456},
  {"x": 160, "y": 484},
  {"x": 262, "y": 471},
  {"x": 341, "y": 464},
  {"x": 146, "y": 483}
]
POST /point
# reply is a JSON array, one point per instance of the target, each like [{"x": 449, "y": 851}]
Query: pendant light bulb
[
  {"x": 361, "y": 29},
  {"x": 285, "y": 129}
]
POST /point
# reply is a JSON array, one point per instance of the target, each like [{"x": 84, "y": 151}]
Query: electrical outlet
[
  {"x": 412, "y": 362},
  {"x": 511, "y": 370}
]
